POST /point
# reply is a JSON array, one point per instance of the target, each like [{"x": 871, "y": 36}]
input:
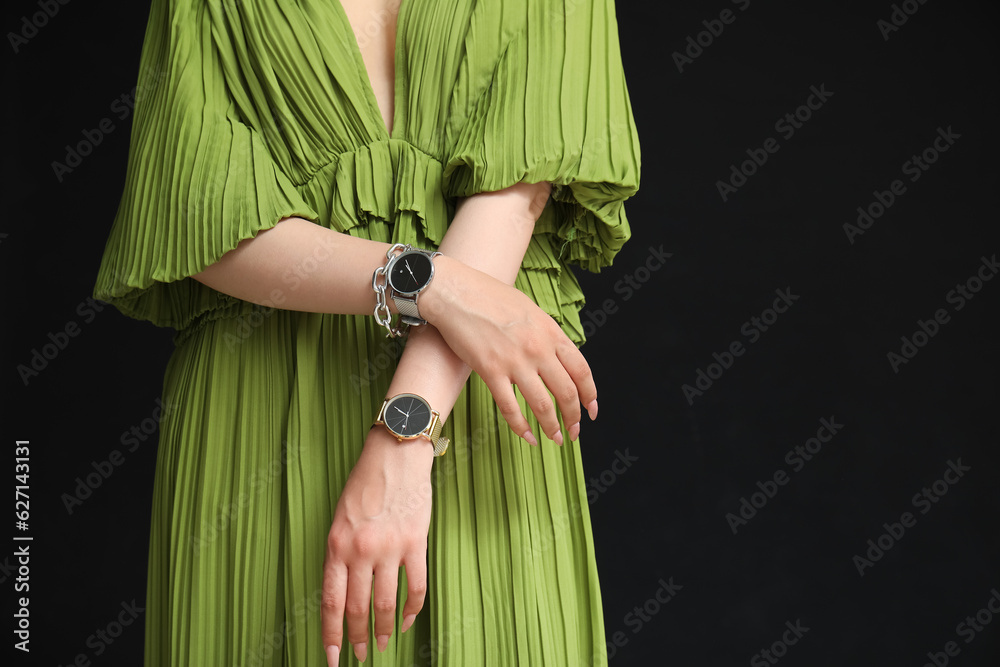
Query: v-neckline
[{"x": 365, "y": 77}]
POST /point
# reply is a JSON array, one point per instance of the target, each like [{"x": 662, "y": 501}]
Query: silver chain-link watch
[{"x": 407, "y": 272}]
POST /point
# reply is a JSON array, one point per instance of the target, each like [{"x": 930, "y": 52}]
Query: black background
[{"x": 664, "y": 516}]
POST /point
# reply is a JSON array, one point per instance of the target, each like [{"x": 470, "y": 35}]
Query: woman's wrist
[
  {"x": 416, "y": 454},
  {"x": 426, "y": 303},
  {"x": 430, "y": 369},
  {"x": 440, "y": 294}
]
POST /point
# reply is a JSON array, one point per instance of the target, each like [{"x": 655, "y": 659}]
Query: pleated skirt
[{"x": 265, "y": 416}]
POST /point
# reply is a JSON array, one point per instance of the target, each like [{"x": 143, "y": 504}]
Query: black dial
[
  {"x": 407, "y": 415},
  {"x": 410, "y": 272}
]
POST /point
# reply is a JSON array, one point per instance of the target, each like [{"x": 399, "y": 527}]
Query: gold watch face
[{"x": 407, "y": 415}]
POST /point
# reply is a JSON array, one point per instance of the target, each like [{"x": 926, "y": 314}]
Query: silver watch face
[
  {"x": 410, "y": 272},
  {"x": 407, "y": 415}
]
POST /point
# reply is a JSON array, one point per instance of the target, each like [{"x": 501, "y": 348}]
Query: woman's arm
[
  {"x": 495, "y": 329},
  {"x": 383, "y": 514},
  {"x": 300, "y": 265},
  {"x": 514, "y": 341}
]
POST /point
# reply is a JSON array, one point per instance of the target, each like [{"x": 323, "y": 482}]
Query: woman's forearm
[
  {"x": 384, "y": 511},
  {"x": 299, "y": 265},
  {"x": 490, "y": 233},
  {"x": 491, "y": 230}
]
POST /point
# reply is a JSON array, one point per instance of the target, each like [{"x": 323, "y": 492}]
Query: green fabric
[{"x": 250, "y": 112}]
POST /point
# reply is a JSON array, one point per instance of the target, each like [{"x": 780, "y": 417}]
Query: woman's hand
[
  {"x": 381, "y": 523},
  {"x": 506, "y": 338}
]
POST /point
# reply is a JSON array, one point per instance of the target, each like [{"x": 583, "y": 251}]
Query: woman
[{"x": 279, "y": 151}]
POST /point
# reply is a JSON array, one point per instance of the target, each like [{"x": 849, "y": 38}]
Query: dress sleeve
[
  {"x": 554, "y": 107},
  {"x": 198, "y": 180}
]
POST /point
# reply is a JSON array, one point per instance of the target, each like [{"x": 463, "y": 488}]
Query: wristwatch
[
  {"x": 408, "y": 274},
  {"x": 408, "y": 416}
]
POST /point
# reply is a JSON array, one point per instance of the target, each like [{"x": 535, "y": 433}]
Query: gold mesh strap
[{"x": 440, "y": 444}]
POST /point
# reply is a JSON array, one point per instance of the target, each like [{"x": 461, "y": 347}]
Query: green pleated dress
[{"x": 250, "y": 112}]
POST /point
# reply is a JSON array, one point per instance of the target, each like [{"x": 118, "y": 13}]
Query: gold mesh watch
[{"x": 408, "y": 416}]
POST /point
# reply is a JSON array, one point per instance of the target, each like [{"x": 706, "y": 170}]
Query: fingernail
[
  {"x": 557, "y": 438},
  {"x": 530, "y": 437},
  {"x": 332, "y": 656},
  {"x": 574, "y": 432},
  {"x": 408, "y": 621},
  {"x": 592, "y": 409},
  {"x": 361, "y": 651},
  {"x": 382, "y": 641}
]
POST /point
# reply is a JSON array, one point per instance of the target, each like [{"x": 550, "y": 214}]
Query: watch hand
[
  {"x": 405, "y": 414},
  {"x": 406, "y": 263}
]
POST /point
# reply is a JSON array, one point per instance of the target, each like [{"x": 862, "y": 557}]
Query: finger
[
  {"x": 332, "y": 610},
  {"x": 359, "y": 597},
  {"x": 416, "y": 585},
  {"x": 579, "y": 370},
  {"x": 562, "y": 387},
  {"x": 541, "y": 403},
  {"x": 506, "y": 400},
  {"x": 384, "y": 602}
]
